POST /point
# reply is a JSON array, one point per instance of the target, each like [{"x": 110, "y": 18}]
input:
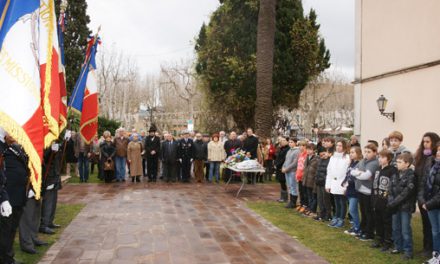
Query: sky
[{"x": 154, "y": 32}]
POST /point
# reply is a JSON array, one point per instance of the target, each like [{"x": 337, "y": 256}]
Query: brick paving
[{"x": 159, "y": 223}]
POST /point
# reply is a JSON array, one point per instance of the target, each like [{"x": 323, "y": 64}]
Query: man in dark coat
[
  {"x": 169, "y": 157},
  {"x": 200, "y": 155},
  {"x": 51, "y": 184},
  {"x": 250, "y": 144},
  {"x": 231, "y": 145},
  {"x": 17, "y": 175},
  {"x": 152, "y": 152},
  {"x": 206, "y": 138},
  {"x": 186, "y": 155},
  {"x": 31, "y": 218}
]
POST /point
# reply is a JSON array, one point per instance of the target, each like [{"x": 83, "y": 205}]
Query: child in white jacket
[{"x": 336, "y": 172}]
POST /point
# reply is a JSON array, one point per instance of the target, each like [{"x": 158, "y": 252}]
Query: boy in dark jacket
[
  {"x": 401, "y": 202},
  {"x": 381, "y": 188},
  {"x": 324, "y": 202},
  {"x": 310, "y": 168}
]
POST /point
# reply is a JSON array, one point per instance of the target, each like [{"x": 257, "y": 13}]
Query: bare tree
[{"x": 182, "y": 80}]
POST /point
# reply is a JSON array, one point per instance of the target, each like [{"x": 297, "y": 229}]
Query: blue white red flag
[
  {"x": 84, "y": 98},
  {"x": 49, "y": 71},
  {"x": 21, "y": 113}
]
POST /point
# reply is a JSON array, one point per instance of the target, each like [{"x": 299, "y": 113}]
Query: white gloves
[
  {"x": 55, "y": 147},
  {"x": 50, "y": 187},
  {"x": 31, "y": 194},
  {"x": 5, "y": 209}
]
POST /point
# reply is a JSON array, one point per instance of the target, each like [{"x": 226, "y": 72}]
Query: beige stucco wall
[
  {"x": 414, "y": 97},
  {"x": 398, "y": 34},
  {"x": 392, "y": 35}
]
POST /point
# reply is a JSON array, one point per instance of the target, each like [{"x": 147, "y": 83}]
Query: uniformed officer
[
  {"x": 17, "y": 175},
  {"x": 186, "y": 155}
]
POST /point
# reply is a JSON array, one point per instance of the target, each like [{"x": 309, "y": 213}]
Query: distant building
[{"x": 398, "y": 56}]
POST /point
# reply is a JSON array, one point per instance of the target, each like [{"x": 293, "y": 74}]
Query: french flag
[
  {"x": 49, "y": 71},
  {"x": 84, "y": 98},
  {"x": 21, "y": 113}
]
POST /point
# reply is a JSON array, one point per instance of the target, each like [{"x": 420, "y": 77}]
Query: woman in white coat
[{"x": 336, "y": 172}]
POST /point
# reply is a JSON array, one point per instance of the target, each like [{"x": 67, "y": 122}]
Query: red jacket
[{"x": 300, "y": 169}]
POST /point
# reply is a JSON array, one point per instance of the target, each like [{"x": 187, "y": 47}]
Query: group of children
[{"x": 383, "y": 185}]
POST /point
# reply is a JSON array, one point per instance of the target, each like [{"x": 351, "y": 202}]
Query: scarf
[{"x": 431, "y": 178}]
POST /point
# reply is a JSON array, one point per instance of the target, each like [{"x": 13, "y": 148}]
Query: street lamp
[{"x": 382, "y": 105}]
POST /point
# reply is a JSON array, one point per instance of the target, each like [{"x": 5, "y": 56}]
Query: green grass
[
  {"x": 93, "y": 178},
  {"x": 330, "y": 243},
  {"x": 64, "y": 215}
]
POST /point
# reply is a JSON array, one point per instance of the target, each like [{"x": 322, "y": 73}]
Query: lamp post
[{"x": 382, "y": 104}]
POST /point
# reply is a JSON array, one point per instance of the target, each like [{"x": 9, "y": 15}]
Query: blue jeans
[
  {"x": 402, "y": 232},
  {"x": 340, "y": 206},
  {"x": 83, "y": 167},
  {"x": 120, "y": 163},
  {"x": 354, "y": 211},
  {"x": 434, "y": 219},
  {"x": 291, "y": 182},
  {"x": 214, "y": 170}
]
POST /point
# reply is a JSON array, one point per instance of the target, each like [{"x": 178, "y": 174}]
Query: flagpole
[{"x": 69, "y": 107}]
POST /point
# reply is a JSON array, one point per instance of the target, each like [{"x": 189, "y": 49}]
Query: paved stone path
[{"x": 125, "y": 223}]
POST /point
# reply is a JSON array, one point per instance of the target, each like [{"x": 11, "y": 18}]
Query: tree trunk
[{"x": 265, "y": 55}]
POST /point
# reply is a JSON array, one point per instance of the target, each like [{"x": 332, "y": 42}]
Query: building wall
[{"x": 393, "y": 35}]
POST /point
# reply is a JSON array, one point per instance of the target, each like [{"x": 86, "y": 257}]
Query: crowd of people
[
  {"x": 384, "y": 183},
  {"x": 376, "y": 188}
]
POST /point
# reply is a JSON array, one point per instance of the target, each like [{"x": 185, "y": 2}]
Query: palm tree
[{"x": 265, "y": 55}]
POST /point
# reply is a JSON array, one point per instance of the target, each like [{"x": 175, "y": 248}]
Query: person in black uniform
[
  {"x": 152, "y": 152},
  {"x": 17, "y": 176},
  {"x": 51, "y": 185},
  {"x": 169, "y": 157},
  {"x": 186, "y": 155},
  {"x": 283, "y": 148},
  {"x": 30, "y": 220}
]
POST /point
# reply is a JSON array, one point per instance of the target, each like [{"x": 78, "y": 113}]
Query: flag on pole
[
  {"x": 62, "y": 71},
  {"x": 20, "y": 101},
  {"x": 49, "y": 71},
  {"x": 84, "y": 98}
]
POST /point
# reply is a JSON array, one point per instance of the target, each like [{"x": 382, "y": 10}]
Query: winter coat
[
  {"x": 401, "y": 149},
  {"x": 336, "y": 170},
  {"x": 17, "y": 174},
  {"x": 402, "y": 196},
  {"x": 53, "y": 176},
  {"x": 291, "y": 162},
  {"x": 200, "y": 150},
  {"x": 186, "y": 149},
  {"x": 281, "y": 157},
  {"x": 321, "y": 172},
  {"x": 77, "y": 146},
  {"x": 364, "y": 183},
  {"x": 70, "y": 151},
  {"x": 152, "y": 143},
  {"x": 121, "y": 145},
  {"x": 430, "y": 196},
  {"x": 381, "y": 186},
  {"x": 169, "y": 151},
  {"x": 269, "y": 152},
  {"x": 108, "y": 150},
  {"x": 231, "y": 146},
  {"x": 134, "y": 151},
  {"x": 420, "y": 172},
  {"x": 310, "y": 168},
  {"x": 350, "y": 180},
  {"x": 300, "y": 168},
  {"x": 216, "y": 151},
  {"x": 250, "y": 145}
]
